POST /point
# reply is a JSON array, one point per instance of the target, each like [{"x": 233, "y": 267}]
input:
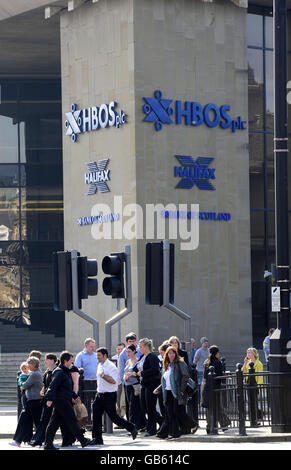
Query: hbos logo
[
  {"x": 92, "y": 118},
  {"x": 159, "y": 111}
]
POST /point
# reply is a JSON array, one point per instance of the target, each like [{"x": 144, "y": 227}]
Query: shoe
[
  {"x": 34, "y": 443},
  {"x": 96, "y": 442},
  {"x": 14, "y": 443},
  {"x": 134, "y": 433},
  {"x": 86, "y": 442},
  {"x": 50, "y": 447},
  {"x": 194, "y": 430}
]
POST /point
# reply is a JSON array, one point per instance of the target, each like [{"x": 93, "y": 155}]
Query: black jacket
[
  {"x": 151, "y": 370},
  {"x": 182, "y": 353},
  {"x": 205, "y": 388},
  {"x": 61, "y": 386}
]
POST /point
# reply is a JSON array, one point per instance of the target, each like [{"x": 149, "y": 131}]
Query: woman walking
[
  {"x": 150, "y": 379},
  {"x": 31, "y": 414},
  {"x": 174, "y": 382},
  {"x": 213, "y": 360},
  {"x": 133, "y": 388}
]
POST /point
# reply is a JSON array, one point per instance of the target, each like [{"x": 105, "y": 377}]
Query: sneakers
[{"x": 14, "y": 443}]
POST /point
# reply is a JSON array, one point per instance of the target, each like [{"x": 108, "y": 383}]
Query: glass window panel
[
  {"x": 9, "y": 214},
  {"x": 41, "y": 125},
  {"x": 8, "y": 91},
  {"x": 258, "y": 264},
  {"x": 271, "y": 229},
  {"x": 9, "y": 175},
  {"x": 43, "y": 175},
  {"x": 40, "y": 252},
  {"x": 255, "y": 30},
  {"x": 8, "y": 133},
  {"x": 10, "y": 253},
  {"x": 255, "y": 89},
  {"x": 257, "y": 190},
  {"x": 37, "y": 285},
  {"x": 256, "y": 152},
  {"x": 260, "y": 307},
  {"x": 269, "y": 91},
  {"x": 11, "y": 315},
  {"x": 9, "y": 287},
  {"x": 41, "y": 90},
  {"x": 43, "y": 156},
  {"x": 269, "y": 32},
  {"x": 257, "y": 230}
]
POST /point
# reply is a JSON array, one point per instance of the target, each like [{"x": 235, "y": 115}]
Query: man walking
[
  {"x": 60, "y": 394},
  {"x": 105, "y": 400}
]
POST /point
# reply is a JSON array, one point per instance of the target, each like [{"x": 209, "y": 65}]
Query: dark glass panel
[
  {"x": 43, "y": 175},
  {"x": 37, "y": 286},
  {"x": 269, "y": 91},
  {"x": 260, "y": 308},
  {"x": 9, "y": 287},
  {"x": 269, "y": 32},
  {"x": 10, "y": 253},
  {"x": 255, "y": 89},
  {"x": 42, "y": 90},
  {"x": 42, "y": 156},
  {"x": 8, "y": 133},
  {"x": 9, "y": 214},
  {"x": 257, "y": 230},
  {"x": 9, "y": 175},
  {"x": 255, "y": 30},
  {"x": 257, "y": 189},
  {"x": 40, "y": 252},
  {"x": 256, "y": 151},
  {"x": 40, "y": 129}
]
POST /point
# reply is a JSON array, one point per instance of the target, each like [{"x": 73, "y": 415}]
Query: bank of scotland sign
[{"x": 160, "y": 111}]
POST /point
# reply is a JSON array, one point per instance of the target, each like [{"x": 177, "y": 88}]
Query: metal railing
[{"x": 245, "y": 400}]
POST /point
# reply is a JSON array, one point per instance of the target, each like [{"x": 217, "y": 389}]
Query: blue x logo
[
  {"x": 158, "y": 110},
  {"x": 194, "y": 172}
]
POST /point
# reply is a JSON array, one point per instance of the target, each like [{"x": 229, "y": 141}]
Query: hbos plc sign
[
  {"x": 159, "y": 111},
  {"x": 92, "y": 119}
]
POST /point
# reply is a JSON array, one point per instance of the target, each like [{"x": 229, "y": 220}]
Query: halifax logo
[
  {"x": 158, "y": 111},
  {"x": 194, "y": 172}
]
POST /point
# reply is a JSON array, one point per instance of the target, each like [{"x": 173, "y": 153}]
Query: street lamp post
[{"x": 281, "y": 383}]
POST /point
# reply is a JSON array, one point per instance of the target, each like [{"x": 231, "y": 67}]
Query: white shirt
[
  {"x": 110, "y": 369},
  {"x": 167, "y": 378}
]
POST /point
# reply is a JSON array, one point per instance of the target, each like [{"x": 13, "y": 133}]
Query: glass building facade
[
  {"x": 31, "y": 201},
  {"x": 261, "y": 158}
]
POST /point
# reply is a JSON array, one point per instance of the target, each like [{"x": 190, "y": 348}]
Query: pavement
[{"x": 8, "y": 423}]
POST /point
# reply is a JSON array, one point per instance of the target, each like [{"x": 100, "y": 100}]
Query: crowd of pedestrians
[{"x": 140, "y": 391}]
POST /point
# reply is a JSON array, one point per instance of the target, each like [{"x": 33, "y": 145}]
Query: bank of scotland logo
[
  {"x": 97, "y": 176},
  {"x": 158, "y": 110},
  {"x": 194, "y": 172}
]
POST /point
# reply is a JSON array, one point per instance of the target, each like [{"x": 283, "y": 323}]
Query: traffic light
[
  {"x": 62, "y": 281},
  {"x": 87, "y": 284},
  {"x": 114, "y": 265},
  {"x": 155, "y": 274},
  {"x": 85, "y": 271}
]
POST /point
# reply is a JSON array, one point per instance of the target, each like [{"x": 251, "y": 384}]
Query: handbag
[
  {"x": 81, "y": 414},
  {"x": 190, "y": 387},
  {"x": 137, "y": 389}
]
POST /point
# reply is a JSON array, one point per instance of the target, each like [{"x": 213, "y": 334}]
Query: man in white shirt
[{"x": 106, "y": 396}]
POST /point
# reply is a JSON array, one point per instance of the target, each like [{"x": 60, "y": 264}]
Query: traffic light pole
[
  {"x": 166, "y": 296},
  {"x": 128, "y": 301},
  {"x": 76, "y": 309}
]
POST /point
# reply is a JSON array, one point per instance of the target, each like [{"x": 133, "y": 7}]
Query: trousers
[
  {"x": 63, "y": 412},
  {"x": 28, "y": 417},
  {"x": 106, "y": 402}
]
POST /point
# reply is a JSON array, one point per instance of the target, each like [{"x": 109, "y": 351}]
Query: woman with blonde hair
[
  {"x": 174, "y": 341},
  {"x": 252, "y": 355}
]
